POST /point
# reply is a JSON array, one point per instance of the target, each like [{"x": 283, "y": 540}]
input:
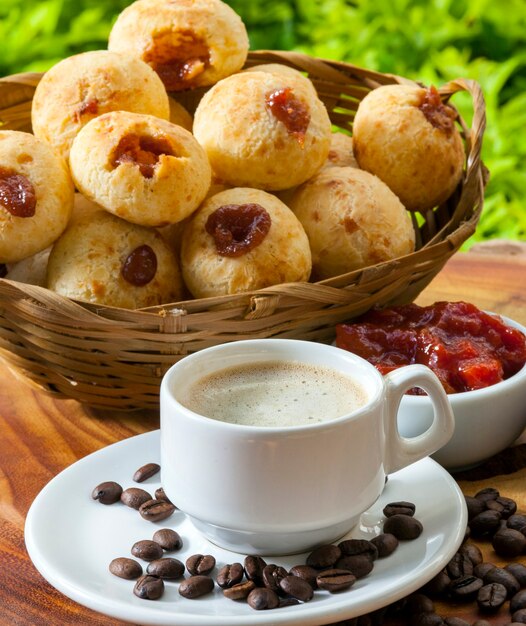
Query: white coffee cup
[{"x": 279, "y": 490}]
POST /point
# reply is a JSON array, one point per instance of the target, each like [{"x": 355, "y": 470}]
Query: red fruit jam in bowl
[{"x": 467, "y": 348}]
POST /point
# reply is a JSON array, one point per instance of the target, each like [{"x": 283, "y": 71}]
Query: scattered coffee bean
[
  {"x": 455, "y": 621},
  {"x": 359, "y": 564},
  {"x": 297, "y": 588},
  {"x": 518, "y": 601},
  {"x": 239, "y": 591},
  {"x": 160, "y": 495},
  {"x": 465, "y": 588},
  {"x": 107, "y": 493},
  {"x": 403, "y": 527},
  {"x": 156, "y": 510},
  {"x": 145, "y": 472},
  {"x": 426, "y": 619},
  {"x": 149, "y": 587},
  {"x": 481, "y": 622},
  {"x": 385, "y": 543},
  {"x": 419, "y": 603},
  {"x": 200, "y": 564},
  {"x": 147, "y": 550},
  {"x": 134, "y": 497},
  {"x": 510, "y": 506},
  {"x": 272, "y": 576},
  {"x": 473, "y": 553},
  {"x": 474, "y": 506},
  {"x": 488, "y": 493},
  {"x": 167, "y": 568},
  {"x": 491, "y": 597},
  {"x": 516, "y": 521},
  {"x": 125, "y": 568},
  {"x": 284, "y": 602},
  {"x": 438, "y": 585},
  {"x": 168, "y": 539},
  {"x": 196, "y": 586},
  {"x": 508, "y": 543},
  {"x": 306, "y": 572},
  {"x": 482, "y": 569},
  {"x": 230, "y": 575},
  {"x": 459, "y": 566},
  {"x": 519, "y": 616},
  {"x": 518, "y": 570},
  {"x": 254, "y": 566},
  {"x": 504, "y": 577},
  {"x": 399, "y": 508},
  {"x": 261, "y": 599},
  {"x": 335, "y": 580},
  {"x": 485, "y": 523},
  {"x": 353, "y": 547},
  {"x": 324, "y": 557}
]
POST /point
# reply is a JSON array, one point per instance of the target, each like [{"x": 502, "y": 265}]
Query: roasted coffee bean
[
  {"x": 306, "y": 572},
  {"x": 230, "y": 575},
  {"x": 125, "y": 568},
  {"x": 495, "y": 505},
  {"x": 134, "y": 497},
  {"x": 482, "y": 569},
  {"x": 149, "y": 587},
  {"x": 465, "y": 588},
  {"x": 107, "y": 493},
  {"x": 508, "y": 543},
  {"x": 518, "y": 601},
  {"x": 385, "y": 543},
  {"x": 510, "y": 506},
  {"x": 399, "y": 508},
  {"x": 474, "y": 506},
  {"x": 335, "y": 580},
  {"x": 324, "y": 556},
  {"x": 254, "y": 566},
  {"x": 518, "y": 570},
  {"x": 516, "y": 521},
  {"x": 481, "y": 622},
  {"x": 200, "y": 564},
  {"x": 284, "y": 602},
  {"x": 297, "y": 588},
  {"x": 485, "y": 523},
  {"x": 145, "y": 472},
  {"x": 196, "y": 586},
  {"x": 156, "y": 510},
  {"x": 504, "y": 577},
  {"x": 272, "y": 575},
  {"x": 160, "y": 495},
  {"x": 147, "y": 550},
  {"x": 168, "y": 539},
  {"x": 239, "y": 591},
  {"x": 438, "y": 585},
  {"x": 491, "y": 597},
  {"x": 426, "y": 619},
  {"x": 488, "y": 493},
  {"x": 519, "y": 616},
  {"x": 419, "y": 603},
  {"x": 403, "y": 527},
  {"x": 360, "y": 564},
  {"x": 455, "y": 621},
  {"x": 167, "y": 568},
  {"x": 353, "y": 547},
  {"x": 459, "y": 566},
  {"x": 261, "y": 599},
  {"x": 473, "y": 553}
]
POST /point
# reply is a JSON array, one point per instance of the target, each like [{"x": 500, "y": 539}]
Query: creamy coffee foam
[{"x": 274, "y": 394}]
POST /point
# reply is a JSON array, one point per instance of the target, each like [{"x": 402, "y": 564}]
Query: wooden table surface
[{"x": 41, "y": 436}]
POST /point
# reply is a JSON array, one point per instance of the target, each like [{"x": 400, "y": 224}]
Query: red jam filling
[
  {"x": 436, "y": 112},
  {"x": 238, "y": 228},
  {"x": 290, "y": 111},
  {"x": 465, "y": 347},
  {"x": 143, "y": 151},
  {"x": 140, "y": 266},
  {"x": 17, "y": 194}
]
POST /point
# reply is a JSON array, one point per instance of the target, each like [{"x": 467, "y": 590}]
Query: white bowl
[{"x": 486, "y": 420}]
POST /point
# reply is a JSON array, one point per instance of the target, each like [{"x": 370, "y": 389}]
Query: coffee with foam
[{"x": 274, "y": 394}]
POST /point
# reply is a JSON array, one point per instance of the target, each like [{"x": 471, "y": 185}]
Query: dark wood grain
[{"x": 40, "y": 436}]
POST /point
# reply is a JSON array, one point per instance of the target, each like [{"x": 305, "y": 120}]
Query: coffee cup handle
[{"x": 402, "y": 451}]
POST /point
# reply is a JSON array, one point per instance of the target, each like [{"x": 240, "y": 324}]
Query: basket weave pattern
[{"x": 114, "y": 358}]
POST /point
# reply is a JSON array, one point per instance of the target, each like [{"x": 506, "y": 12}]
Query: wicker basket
[{"x": 114, "y": 358}]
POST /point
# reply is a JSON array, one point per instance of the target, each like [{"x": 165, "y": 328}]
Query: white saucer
[{"x": 71, "y": 539}]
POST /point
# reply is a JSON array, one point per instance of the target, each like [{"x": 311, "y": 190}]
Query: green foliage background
[{"x": 428, "y": 40}]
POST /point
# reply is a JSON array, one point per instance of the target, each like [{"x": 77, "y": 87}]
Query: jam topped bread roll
[
  {"x": 81, "y": 87},
  {"x": 189, "y": 43},
  {"x": 103, "y": 259},
  {"x": 36, "y": 195},
  {"x": 140, "y": 168},
  {"x": 242, "y": 239},
  {"x": 352, "y": 220},
  {"x": 263, "y": 129},
  {"x": 407, "y": 136}
]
